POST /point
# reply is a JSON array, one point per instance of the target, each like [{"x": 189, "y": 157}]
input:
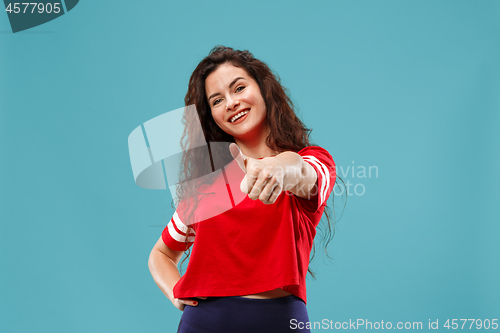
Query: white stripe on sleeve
[
  {"x": 177, "y": 236},
  {"x": 325, "y": 175},
  {"x": 181, "y": 226}
]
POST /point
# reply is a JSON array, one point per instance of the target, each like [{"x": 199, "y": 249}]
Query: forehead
[{"x": 223, "y": 76}]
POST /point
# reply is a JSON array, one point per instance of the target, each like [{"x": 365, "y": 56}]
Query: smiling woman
[
  {"x": 248, "y": 265},
  {"x": 237, "y": 105}
]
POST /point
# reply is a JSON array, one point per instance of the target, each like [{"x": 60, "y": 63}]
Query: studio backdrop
[{"x": 405, "y": 95}]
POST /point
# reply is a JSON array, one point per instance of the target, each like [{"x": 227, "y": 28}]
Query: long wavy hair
[{"x": 287, "y": 132}]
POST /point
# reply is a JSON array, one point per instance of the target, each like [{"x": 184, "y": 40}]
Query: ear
[{"x": 238, "y": 156}]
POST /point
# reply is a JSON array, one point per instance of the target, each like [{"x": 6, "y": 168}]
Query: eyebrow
[{"x": 230, "y": 86}]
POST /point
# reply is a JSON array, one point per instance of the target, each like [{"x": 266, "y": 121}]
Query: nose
[{"x": 231, "y": 104}]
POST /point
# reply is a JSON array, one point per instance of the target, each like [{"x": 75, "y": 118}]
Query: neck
[{"x": 254, "y": 148}]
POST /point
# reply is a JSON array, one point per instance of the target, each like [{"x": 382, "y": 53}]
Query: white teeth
[{"x": 233, "y": 119}]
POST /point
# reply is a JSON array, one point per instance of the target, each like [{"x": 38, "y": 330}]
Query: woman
[{"x": 249, "y": 262}]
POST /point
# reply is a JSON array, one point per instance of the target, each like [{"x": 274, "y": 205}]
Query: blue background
[{"x": 411, "y": 87}]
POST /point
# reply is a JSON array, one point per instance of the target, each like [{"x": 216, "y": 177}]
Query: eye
[
  {"x": 216, "y": 102},
  {"x": 240, "y": 88}
]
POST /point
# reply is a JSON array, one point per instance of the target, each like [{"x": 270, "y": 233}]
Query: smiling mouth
[{"x": 238, "y": 116}]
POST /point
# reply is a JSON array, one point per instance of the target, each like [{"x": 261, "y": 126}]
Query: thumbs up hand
[{"x": 264, "y": 178}]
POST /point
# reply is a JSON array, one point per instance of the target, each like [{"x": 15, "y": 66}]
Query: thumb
[{"x": 238, "y": 156}]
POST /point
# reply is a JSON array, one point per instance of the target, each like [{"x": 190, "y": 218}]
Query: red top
[{"x": 242, "y": 246}]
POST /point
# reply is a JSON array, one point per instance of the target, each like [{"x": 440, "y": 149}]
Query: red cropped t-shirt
[{"x": 242, "y": 246}]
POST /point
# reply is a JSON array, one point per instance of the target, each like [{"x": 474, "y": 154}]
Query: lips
[{"x": 238, "y": 115}]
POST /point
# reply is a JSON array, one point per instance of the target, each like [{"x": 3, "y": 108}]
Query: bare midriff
[{"x": 275, "y": 293}]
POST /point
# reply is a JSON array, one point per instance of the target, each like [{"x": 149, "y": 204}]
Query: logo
[
  {"x": 26, "y": 15},
  {"x": 156, "y": 157}
]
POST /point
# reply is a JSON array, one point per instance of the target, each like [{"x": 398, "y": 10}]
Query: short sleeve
[
  {"x": 174, "y": 234},
  {"x": 323, "y": 164}
]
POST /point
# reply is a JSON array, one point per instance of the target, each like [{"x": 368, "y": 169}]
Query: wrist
[{"x": 291, "y": 164}]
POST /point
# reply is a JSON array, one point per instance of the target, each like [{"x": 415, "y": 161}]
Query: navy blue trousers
[{"x": 241, "y": 315}]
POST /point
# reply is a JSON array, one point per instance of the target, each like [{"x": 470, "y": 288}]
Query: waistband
[{"x": 241, "y": 314}]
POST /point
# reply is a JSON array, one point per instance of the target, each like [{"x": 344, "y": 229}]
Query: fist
[{"x": 263, "y": 177}]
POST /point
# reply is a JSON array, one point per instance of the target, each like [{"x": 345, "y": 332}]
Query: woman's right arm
[{"x": 162, "y": 264}]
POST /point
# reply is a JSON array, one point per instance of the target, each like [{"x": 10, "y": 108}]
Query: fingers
[
  {"x": 263, "y": 185},
  {"x": 180, "y": 303},
  {"x": 188, "y": 301},
  {"x": 271, "y": 192},
  {"x": 259, "y": 183},
  {"x": 240, "y": 158},
  {"x": 254, "y": 180}
]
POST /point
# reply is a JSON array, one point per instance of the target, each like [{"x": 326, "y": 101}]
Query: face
[{"x": 236, "y": 103}]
